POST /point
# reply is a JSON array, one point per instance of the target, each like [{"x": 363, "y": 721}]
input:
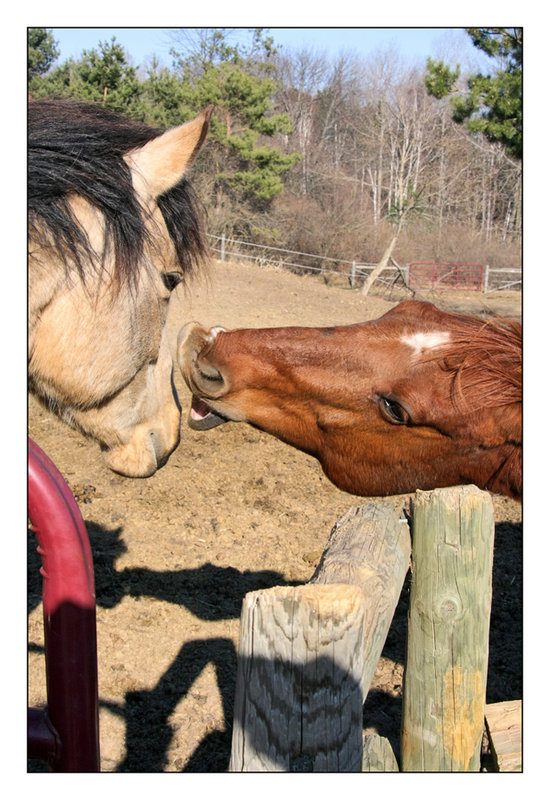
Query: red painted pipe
[{"x": 68, "y": 598}]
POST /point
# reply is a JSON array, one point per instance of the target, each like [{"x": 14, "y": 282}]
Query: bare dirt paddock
[{"x": 232, "y": 511}]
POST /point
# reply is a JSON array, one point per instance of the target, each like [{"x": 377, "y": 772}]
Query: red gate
[
  {"x": 445, "y": 275},
  {"x": 66, "y": 733}
]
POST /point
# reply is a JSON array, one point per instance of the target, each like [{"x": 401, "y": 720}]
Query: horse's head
[
  {"x": 113, "y": 229},
  {"x": 414, "y": 400}
]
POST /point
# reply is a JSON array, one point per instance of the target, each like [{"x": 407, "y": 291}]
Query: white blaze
[{"x": 420, "y": 342}]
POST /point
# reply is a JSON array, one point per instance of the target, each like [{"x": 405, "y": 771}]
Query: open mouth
[{"x": 202, "y": 417}]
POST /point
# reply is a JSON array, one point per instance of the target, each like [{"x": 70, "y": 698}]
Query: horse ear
[{"x": 162, "y": 162}]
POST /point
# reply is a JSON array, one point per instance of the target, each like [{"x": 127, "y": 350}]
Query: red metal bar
[
  {"x": 427, "y": 278},
  {"x": 68, "y": 597}
]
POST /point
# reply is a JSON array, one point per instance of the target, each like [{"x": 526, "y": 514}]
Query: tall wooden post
[{"x": 448, "y": 630}]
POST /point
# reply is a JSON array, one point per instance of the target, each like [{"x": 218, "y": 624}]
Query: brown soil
[{"x": 232, "y": 511}]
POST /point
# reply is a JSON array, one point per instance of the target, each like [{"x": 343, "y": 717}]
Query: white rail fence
[{"x": 493, "y": 278}]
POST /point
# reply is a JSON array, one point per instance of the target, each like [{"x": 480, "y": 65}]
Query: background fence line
[{"x": 494, "y": 278}]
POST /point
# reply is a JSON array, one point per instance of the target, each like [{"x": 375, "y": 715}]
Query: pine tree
[
  {"x": 41, "y": 53},
  {"x": 101, "y": 76},
  {"x": 493, "y": 105},
  {"x": 237, "y": 82}
]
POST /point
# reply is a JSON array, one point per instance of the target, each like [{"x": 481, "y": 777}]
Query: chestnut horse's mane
[
  {"x": 486, "y": 359},
  {"x": 79, "y": 148}
]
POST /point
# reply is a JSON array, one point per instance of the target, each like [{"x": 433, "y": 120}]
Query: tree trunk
[{"x": 383, "y": 263}]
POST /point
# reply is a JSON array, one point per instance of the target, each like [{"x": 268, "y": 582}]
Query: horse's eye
[
  {"x": 392, "y": 411},
  {"x": 171, "y": 280}
]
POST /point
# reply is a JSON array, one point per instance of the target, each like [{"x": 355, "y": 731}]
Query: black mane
[{"x": 74, "y": 147}]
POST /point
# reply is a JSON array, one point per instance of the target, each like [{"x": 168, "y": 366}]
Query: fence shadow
[
  {"x": 211, "y": 593},
  {"x": 216, "y": 593},
  {"x": 147, "y": 712}
]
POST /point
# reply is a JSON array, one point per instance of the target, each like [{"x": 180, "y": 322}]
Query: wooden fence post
[
  {"x": 448, "y": 630},
  {"x": 222, "y": 248},
  {"x": 378, "y": 755},
  {"x": 307, "y": 654},
  {"x": 298, "y": 703},
  {"x": 485, "y": 278},
  {"x": 369, "y": 547}
]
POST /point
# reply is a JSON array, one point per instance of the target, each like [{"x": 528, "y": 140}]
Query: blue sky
[{"x": 413, "y": 45}]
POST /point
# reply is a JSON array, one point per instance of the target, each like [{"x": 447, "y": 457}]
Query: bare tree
[
  {"x": 373, "y": 143},
  {"x": 301, "y": 75},
  {"x": 405, "y": 152}
]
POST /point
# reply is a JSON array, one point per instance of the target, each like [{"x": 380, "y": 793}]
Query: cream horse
[{"x": 113, "y": 228}]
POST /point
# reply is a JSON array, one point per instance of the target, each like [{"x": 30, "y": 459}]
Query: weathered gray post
[
  {"x": 298, "y": 704},
  {"x": 307, "y": 654},
  {"x": 448, "y": 630}
]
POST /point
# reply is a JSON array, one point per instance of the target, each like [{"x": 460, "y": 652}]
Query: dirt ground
[{"x": 232, "y": 511}]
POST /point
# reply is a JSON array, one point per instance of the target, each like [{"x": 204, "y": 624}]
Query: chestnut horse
[
  {"x": 113, "y": 228},
  {"x": 417, "y": 399}
]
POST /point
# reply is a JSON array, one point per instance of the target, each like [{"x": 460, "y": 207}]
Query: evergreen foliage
[
  {"x": 320, "y": 156},
  {"x": 215, "y": 72},
  {"x": 41, "y": 52},
  {"x": 493, "y": 104},
  {"x": 237, "y": 83}
]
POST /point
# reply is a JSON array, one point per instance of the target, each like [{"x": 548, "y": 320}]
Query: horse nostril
[{"x": 155, "y": 443}]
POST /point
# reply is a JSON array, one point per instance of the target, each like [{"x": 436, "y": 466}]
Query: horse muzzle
[
  {"x": 142, "y": 456},
  {"x": 149, "y": 446}
]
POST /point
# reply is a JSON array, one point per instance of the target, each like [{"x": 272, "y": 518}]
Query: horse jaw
[{"x": 137, "y": 428}]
